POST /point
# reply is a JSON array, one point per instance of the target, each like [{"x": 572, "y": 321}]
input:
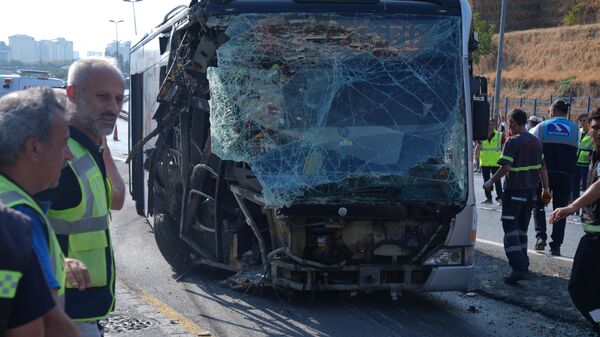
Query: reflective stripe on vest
[
  {"x": 590, "y": 228},
  {"x": 584, "y": 154},
  {"x": 9, "y": 280},
  {"x": 12, "y": 195},
  {"x": 490, "y": 151},
  {"x": 86, "y": 229}
]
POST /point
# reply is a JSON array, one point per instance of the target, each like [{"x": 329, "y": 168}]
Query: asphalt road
[
  {"x": 198, "y": 304},
  {"x": 489, "y": 227},
  {"x": 201, "y": 299}
]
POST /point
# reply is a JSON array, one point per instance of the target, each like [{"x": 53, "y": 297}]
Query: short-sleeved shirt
[
  {"x": 32, "y": 298},
  {"x": 560, "y": 138},
  {"x": 40, "y": 242},
  {"x": 523, "y": 152}
]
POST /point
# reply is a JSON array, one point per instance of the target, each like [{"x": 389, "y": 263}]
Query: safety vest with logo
[
  {"x": 17, "y": 252},
  {"x": 12, "y": 195},
  {"x": 585, "y": 151},
  {"x": 491, "y": 150},
  {"x": 84, "y": 234}
]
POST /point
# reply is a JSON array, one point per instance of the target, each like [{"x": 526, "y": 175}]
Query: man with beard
[{"x": 89, "y": 187}]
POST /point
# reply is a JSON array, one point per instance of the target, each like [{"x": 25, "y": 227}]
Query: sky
[{"x": 85, "y": 22}]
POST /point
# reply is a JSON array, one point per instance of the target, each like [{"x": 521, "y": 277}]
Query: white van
[{"x": 12, "y": 83}]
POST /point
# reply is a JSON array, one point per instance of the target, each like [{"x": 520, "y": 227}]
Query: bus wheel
[{"x": 177, "y": 253}]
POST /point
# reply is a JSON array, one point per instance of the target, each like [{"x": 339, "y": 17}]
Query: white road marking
[{"x": 498, "y": 244}]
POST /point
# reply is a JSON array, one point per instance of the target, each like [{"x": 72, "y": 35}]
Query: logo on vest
[{"x": 558, "y": 129}]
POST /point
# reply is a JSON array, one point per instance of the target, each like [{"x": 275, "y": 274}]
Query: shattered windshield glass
[{"x": 333, "y": 109}]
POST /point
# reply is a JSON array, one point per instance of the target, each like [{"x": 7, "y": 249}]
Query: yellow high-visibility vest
[
  {"x": 12, "y": 195},
  {"x": 86, "y": 229},
  {"x": 491, "y": 150}
]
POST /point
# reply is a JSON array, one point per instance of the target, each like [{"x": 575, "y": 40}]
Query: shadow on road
[{"x": 274, "y": 313}]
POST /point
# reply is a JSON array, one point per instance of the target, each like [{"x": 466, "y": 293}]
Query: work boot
[
  {"x": 540, "y": 244},
  {"x": 499, "y": 201},
  {"x": 515, "y": 277},
  {"x": 554, "y": 249},
  {"x": 486, "y": 201}
]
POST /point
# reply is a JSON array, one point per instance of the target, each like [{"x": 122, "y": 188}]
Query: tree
[{"x": 485, "y": 32}]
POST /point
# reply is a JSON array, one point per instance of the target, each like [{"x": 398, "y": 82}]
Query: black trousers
[
  {"x": 580, "y": 181},
  {"x": 487, "y": 172},
  {"x": 561, "y": 195},
  {"x": 539, "y": 213},
  {"x": 516, "y": 213},
  {"x": 584, "y": 285}
]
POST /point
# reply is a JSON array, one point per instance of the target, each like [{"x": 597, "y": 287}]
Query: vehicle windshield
[{"x": 335, "y": 109}]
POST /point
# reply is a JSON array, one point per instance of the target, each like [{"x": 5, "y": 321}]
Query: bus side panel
[
  {"x": 145, "y": 77},
  {"x": 136, "y": 120}
]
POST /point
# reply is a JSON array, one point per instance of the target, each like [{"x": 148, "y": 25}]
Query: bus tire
[{"x": 175, "y": 251}]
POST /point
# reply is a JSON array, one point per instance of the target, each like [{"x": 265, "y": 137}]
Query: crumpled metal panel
[{"x": 333, "y": 109}]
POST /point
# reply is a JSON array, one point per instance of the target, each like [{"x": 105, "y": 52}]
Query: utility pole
[
  {"x": 116, "y": 22},
  {"x": 499, "y": 63},
  {"x": 133, "y": 6}
]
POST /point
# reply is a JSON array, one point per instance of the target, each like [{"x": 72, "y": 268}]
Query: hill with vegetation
[
  {"x": 562, "y": 60},
  {"x": 534, "y": 14}
]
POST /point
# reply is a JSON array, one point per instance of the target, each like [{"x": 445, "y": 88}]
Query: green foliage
[
  {"x": 522, "y": 86},
  {"x": 572, "y": 16},
  {"x": 485, "y": 32},
  {"x": 565, "y": 87}
]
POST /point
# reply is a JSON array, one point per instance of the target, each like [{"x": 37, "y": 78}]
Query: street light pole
[
  {"x": 499, "y": 61},
  {"x": 116, "y": 22},
  {"x": 133, "y": 6}
]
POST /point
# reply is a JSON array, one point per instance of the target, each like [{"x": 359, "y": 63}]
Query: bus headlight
[{"x": 445, "y": 256}]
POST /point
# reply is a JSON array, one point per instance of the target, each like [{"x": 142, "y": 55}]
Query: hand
[
  {"x": 546, "y": 196},
  {"x": 488, "y": 185},
  {"x": 561, "y": 213},
  {"x": 77, "y": 274}
]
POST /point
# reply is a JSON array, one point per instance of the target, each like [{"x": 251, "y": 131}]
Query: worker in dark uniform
[
  {"x": 560, "y": 138},
  {"x": 24, "y": 294},
  {"x": 584, "y": 286},
  {"x": 522, "y": 163}
]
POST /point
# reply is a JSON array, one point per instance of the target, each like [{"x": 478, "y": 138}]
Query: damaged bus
[{"x": 311, "y": 145}]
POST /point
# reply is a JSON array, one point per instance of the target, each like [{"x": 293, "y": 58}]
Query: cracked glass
[{"x": 335, "y": 109}]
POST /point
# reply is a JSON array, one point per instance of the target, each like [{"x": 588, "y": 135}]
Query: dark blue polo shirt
[{"x": 523, "y": 152}]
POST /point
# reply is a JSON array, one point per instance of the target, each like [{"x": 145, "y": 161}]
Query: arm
[
  {"x": 504, "y": 169},
  {"x": 544, "y": 178},
  {"x": 591, "y": 195},
  {"x": 34, "y": 328},
  {"x": 57, "y": 323},
  {"x": 118, "y": 186},
  {"x": 476, "y": 153},
  {"x": 31, "y": 303}
]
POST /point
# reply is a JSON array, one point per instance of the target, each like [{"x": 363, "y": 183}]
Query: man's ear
[
  {"x": 72, "y": 93},
  {"x": 32, "y": 149}
]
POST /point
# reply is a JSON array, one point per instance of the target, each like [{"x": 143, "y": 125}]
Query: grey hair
[
  {"x": 80, "y": 69},
  {"x": 25, "y": 114}
]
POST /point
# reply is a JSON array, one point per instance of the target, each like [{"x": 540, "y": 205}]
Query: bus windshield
[{"x": 330, "y": 108}]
